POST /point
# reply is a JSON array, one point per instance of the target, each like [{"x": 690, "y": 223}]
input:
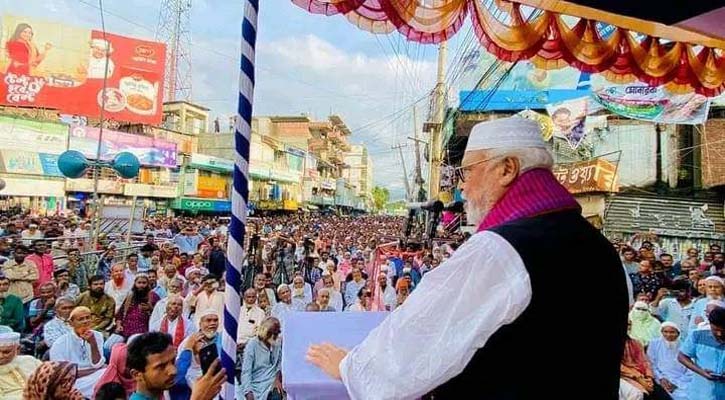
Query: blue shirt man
[
  {"x": 704, "y": 353},
  {"x": 188, "y": 241}
]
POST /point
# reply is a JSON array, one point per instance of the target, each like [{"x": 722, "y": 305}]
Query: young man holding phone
[{"x": 152, "y": 363}]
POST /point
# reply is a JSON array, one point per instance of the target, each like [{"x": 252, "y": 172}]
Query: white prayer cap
[
  {"x": 282, "y": 286},
  {"x": 191, "y": 271},
  {"x": 668, "y": 324},
  {"x": 208, "y": 311},
  {"x": 9, "y": 339},
  {"x": 505, "y": 133},
  {"x": 714, "y": 278},
  {"x": 641, "y": 305}
]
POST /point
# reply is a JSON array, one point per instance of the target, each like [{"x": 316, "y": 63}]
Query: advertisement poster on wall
[
  {"x": 150, "y": 151},
  {"x": 53, "y": 65}
]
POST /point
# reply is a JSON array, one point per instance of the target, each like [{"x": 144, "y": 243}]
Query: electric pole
[
  {"x": 399, "y": 147},
  {"x": 435, "y": 127}
]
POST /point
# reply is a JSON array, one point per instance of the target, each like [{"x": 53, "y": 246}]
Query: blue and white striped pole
[{"x": 240, "y": 196}]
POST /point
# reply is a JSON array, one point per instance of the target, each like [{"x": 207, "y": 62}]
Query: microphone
[
  {"x": 455, "y": 207},
  {"x": 435, "y": 206}
]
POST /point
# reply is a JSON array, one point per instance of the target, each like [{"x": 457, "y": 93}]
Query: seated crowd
[{"x": 676, "y": 344}]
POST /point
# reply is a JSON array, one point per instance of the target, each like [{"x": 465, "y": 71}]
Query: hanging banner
[
  {"x": 150, "y": 151},
  {"x": 27, "y": 135},
  {"x": 654, "y": 104},
  {"x": 568, "y": 118},
  {"x": 53, "y": 65},
  {"x": 547, "y": 127}
]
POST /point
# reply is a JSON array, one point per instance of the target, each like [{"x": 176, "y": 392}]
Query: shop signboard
[
  {"x": 54, "y": 65},
  {"x": 588, "y": 176},
  {"x": 203, "y": 161},
  {"x": 191, "y": 177},
  {"x": 86, "y": 186},
  {"x": 27, "y": 135},
  {"x": 327, "y": 184},
  {"x": 285, "y": 176},
  {"x": 149, "y": 150},
  {"x": 190, "y": 204},
  {"x": 28, "y": 162},
  {"x": 214, "y": 187},
  {"x": 142, "y": 190},
  {"x": 33, "y": 187}
]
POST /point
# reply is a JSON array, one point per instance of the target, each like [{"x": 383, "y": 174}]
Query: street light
[{"x": 73, "y": 164}]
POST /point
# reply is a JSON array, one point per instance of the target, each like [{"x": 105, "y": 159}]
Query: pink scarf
[{"x": 533, "y": 193}]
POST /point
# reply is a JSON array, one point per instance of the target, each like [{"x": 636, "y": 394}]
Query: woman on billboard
[{"x": 23, "y": 53}]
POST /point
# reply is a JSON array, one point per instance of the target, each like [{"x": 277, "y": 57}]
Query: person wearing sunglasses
[
  {"x": 364, "y": 300},
  {"x": 483, "y": 321}
]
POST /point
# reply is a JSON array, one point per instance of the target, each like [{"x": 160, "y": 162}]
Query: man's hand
[
  {"x": 145, "y": 307},
  {"x": 249, "y": 396},
  {"x": 88, "y": 336},
  {"x": 49, "y": 303},
  {"x": 707, "y": 374},
  {"x": 209, "y": 385},
  {"x": 648, "y": 384},
  {"x": 327, "y": 357},
  {"x": 278, "y": 384},
  {"x": 193, "y": 341},
  {"x": 667, "y": 385}
]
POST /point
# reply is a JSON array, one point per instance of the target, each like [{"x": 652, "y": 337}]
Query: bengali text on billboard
[
  {"x": 150, "y": 151},
  {"x": 53, "y": 65}
]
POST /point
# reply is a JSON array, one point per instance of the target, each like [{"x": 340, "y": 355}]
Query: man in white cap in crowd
[
  {"x": 83, "y": 347},
  {"x": 14, "y": 368},
  {"x": 496, "y": 296},
  {"x": 209, "y": 321},
  {"x": 284, "y": 305},
  {"x": 668, "y": 371}
]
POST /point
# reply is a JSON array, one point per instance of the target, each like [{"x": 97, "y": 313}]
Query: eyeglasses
[{"x": 463, "y": 171}]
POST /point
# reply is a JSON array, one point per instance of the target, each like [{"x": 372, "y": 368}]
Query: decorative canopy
[{"x": 673, "y": 55}]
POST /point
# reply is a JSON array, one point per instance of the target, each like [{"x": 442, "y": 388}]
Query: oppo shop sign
[{"x": 205, "y": 205}]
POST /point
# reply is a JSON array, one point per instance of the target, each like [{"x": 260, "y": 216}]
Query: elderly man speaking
[{"x": 487, "y": 323}]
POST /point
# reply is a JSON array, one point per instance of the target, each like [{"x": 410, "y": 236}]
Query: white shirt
[
  {"x": 70, "y": 347},
  {"x": 446, "y": 308},
  {"x": 249, "y": 320},
  {"x": 204, "y": 302},
  {"x": 189, "y": 326},
  {"x": 119, "y": 293}
]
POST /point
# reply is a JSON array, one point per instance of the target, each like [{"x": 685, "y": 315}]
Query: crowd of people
[
  {"x": 676, "y": 344},
  {"x": 80, "y": 314},
  {"x": 104, "y": 326}
]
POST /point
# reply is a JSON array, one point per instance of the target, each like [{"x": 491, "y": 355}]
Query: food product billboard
[{"x": 53, "y": 65}]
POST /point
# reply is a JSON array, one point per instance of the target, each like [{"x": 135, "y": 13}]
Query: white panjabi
[{"x": 505, "y": 133}]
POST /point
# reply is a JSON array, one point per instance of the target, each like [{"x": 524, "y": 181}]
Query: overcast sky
[{"x": 305, "y": 64}]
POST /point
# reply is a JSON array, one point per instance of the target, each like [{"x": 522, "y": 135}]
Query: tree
[{"x": 380, "y": 197}]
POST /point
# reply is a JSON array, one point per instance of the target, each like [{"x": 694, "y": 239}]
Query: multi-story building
[{"x": 359, "y": 173}]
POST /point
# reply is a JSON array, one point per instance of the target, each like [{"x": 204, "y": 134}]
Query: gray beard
[
  {"x": 474, "y": 216},
  {"x": 672, "y": 345}
]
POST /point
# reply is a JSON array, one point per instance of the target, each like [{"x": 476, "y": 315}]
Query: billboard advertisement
[
  {"x": 150, "y": 151},
  {"x": 654, "y": 104},
  {"x": 53, "y": 65}
]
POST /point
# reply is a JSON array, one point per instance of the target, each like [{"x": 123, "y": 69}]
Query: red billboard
[{"x": 52, "y": 65}]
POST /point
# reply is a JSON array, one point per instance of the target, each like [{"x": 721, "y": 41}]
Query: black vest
[{"x": 569, "y": 341}]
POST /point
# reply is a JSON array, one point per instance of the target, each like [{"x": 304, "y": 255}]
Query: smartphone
[{"x": 207, "y": 355}]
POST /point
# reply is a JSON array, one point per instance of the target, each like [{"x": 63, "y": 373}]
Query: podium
[{"x": 303, "y": 380}]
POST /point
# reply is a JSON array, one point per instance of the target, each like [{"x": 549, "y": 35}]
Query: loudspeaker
[
  {"x": 126, "y": 165},
  {"x": 73, "y": 164}
]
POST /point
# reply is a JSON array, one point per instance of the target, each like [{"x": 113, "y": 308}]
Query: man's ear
[{"x": 510, "y": 170}]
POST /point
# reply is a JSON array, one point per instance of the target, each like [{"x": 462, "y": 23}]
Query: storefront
[
  {"x": 198, "y": 205},
  {"x": 671, "y": 223},
  {"x": 208, "y": 177},
  {"x": 80, "y": 193},
  {"x": 41, "y": 196},
  {"x": 155, "y": 198}
]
